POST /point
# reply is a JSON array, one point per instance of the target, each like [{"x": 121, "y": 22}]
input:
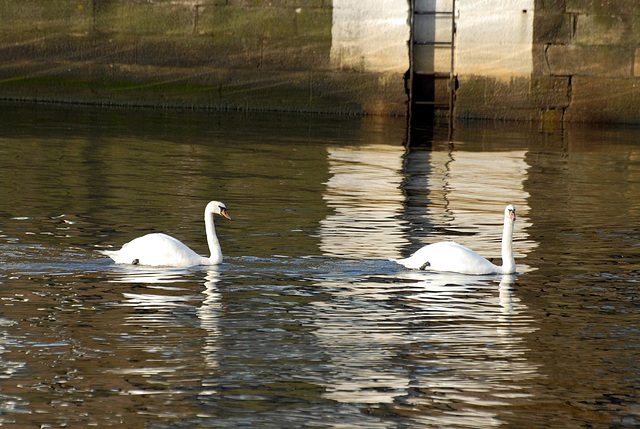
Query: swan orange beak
[
  {"x": 512, "y": 215},
  {"x": 224, "y": 213}
]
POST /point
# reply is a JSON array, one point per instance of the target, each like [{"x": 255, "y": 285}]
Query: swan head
[
  {"x": 216, "y": 207},
  {"x": 510, "y": 212}
]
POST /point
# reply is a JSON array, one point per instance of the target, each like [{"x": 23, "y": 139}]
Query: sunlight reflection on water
[
  {"x": 446, "y": 334},
  {"x": 366, "y": 192}
]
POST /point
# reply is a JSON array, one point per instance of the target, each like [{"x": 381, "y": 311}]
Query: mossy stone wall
[
  {"x": 276, "y": 55},
  {"x": 232, "y": 54}
]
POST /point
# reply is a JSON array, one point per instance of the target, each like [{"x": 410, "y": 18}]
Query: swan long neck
[
  {"x": 212, "y": 238},
  {"x": 508, "y": 260}
]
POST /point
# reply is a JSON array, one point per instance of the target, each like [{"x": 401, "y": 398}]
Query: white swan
[
  {"x": 454, "y": 257},
  {"x": 159, "y": 249}
]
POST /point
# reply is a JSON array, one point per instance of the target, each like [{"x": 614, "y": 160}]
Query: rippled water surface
[{"x": 309, "y": 322}]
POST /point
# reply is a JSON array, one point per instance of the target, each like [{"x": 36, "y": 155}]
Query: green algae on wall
[{"x": 231, "y": 54}]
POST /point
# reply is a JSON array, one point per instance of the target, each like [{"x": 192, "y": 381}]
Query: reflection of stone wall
[
  {"x": 257, "y": 54},
  {"x": 586, "y": 67}
]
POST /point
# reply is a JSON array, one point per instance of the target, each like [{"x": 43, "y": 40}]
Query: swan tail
[
  {"x": 109, "y": 253},
  {"x": 118, "y": 258},
  {"x": 411, "y": 263}
]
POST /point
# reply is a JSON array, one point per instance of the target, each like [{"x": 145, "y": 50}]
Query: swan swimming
[
  {"x": 159, "y": 249},
  {"x": 453, "y": 257}
]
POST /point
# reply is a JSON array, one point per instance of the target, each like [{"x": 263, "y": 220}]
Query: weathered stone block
[
  {"x": 489, "y": 92},
  {"x": 358, "y": 93},
  {"x": 538, "y": 98},
  {"x": 604, "y": 100},
  {"x": 37, "y": 17},
  {"x": 279, "y": 3},
  {"x": 602, "y": 29},
  {"x": 263, "y": 90},
  {"x": 635, "y": 30},
  {"x": 512, "y": 93},
  {"x": 557, "y": 6},
  {"x": 552, "y": 27},
  {"x": 248, "y": 22},
  {"x": 162, "y": 18},
  {"x": 596, "y": 61},
  {"x": 297, "y": 54},
  {"x": 279, "y": 23},
  {"x": 473, "y": 90},
  {"x": 70, "y": 48},
  {"x": 603, "y": 7},
  {"x": 550, "y": 92},
  {"x": 236, "y": 52},
  {"x": 539, "y": 59},
  {"x": 551, "y": 115},
  {"x": 219, "y": 20},
  {"x": 314, "y": 22},
  {"x": 174, "y": 51},
  {"x": 498, "y": 113}
]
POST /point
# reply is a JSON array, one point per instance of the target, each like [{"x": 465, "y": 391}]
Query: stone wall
[
  {"x": 230, "y": 54},
  {"x": 541, "y": 60},
  {"x": 585, "y": 67},
  {"x": 493, "y": 60},
  {"x": 595, "y": 49}
]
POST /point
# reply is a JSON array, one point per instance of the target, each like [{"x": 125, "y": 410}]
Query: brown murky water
[{"x": 308, "y": 323}]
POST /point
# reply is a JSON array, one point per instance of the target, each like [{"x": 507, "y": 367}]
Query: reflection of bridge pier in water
[
  {"x": 388, "y": 201},
  {"x": 448, "y": 344},
  {"x": 364, "y": 192},
  {"x": 460, "y": 195}
]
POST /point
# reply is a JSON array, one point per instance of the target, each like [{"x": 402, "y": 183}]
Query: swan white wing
[
  {"x": 449, "y": 256},
  {"x": 158, "y": 250}
]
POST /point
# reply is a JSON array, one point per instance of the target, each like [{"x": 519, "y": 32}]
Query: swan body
[
  {"x": 159, "y": 249},
  {"x": 453, "y": 257}
]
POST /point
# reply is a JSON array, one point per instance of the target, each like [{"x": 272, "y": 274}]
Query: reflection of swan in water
[
  {"x": 159, "y": 249},
  {"x": 163, "y": 316},
  {"x": 209, "y": 314},
  {"x": 453, "y": 257},
  {"x": 161, "y": 308},
  {"x": 157, "y": 307},
  {"x": 147, "y": 275},
  {"x": 447, "y": 339},
  {"x": 506, "y": 298}
]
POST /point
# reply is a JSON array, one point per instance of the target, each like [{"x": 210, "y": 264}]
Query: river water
[{"x": 308, "y": 322}]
